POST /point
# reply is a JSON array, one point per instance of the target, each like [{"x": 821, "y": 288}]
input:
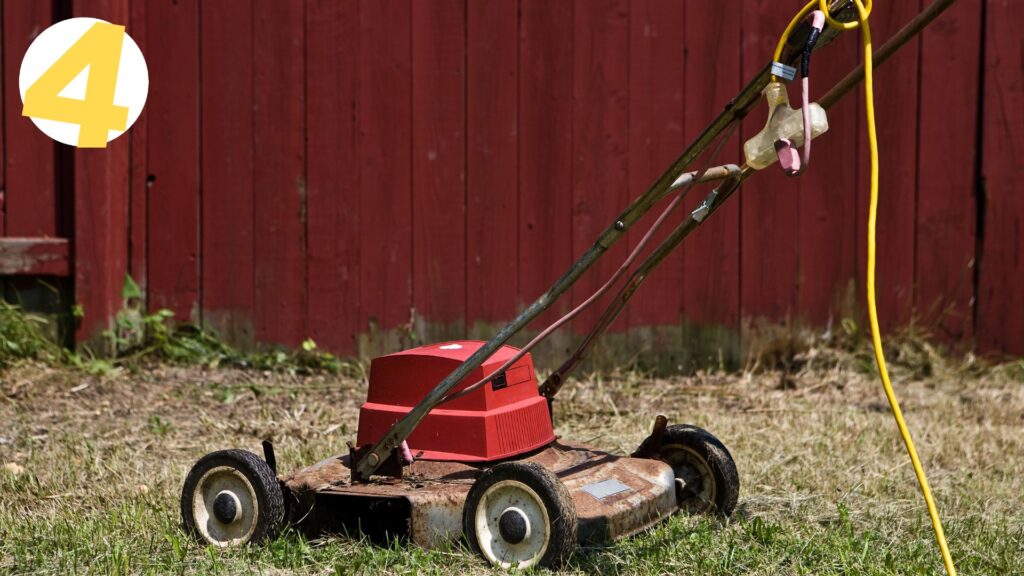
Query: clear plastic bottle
[{"x": 783, "y": 122}]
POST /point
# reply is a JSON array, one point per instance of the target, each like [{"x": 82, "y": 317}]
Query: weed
[
  {"x": 22, "y": 337},
  {"x": 164, "y": 340},
  {"x": 158, "y": 426},
  {"x": 137, "y": 339}
]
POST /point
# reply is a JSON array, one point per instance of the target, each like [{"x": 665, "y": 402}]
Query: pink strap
[{"x": 789, "y": 158}]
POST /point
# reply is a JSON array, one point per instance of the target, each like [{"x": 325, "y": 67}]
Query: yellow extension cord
[{"x": 876, "y": 338}]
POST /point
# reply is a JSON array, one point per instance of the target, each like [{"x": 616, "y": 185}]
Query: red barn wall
[{"x": 366, "y": 172}]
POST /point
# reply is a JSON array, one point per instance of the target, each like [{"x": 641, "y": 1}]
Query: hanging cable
[{"x": 863, "y": 12}]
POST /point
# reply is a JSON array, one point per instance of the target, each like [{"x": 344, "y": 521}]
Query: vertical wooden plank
[
  {"x": 600, "y": 139},
  {"x": 946, "y": 201},
  {"x": 101, "y": 214},
  {"x": 827, "y": 193},
  {"x": 29, "y": 188},
  {"x": 385, "y": 94},
  {"x": 4, "y": 50},
  {"x": 439, "y": 167},
  {"x": 711, "y": 256},
  {"x": 138, "y": 201},
  {"x": 896, "y": 103},
  {"x": 492, "y": 162},
  {"x": 769, "y": 205},
  {"x": 545, "y": 148},
  {"x": 279, "y": 179},
  {"x": 332, "y": 51},
  {"x": 173, "y": 157},
  {"x": 656, "y": 83},
  {"x": 227, "y": 168},
  {"x": 1000, "y": 325}
]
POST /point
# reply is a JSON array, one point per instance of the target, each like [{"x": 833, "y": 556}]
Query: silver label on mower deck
[{"x": 606, "y": 488}]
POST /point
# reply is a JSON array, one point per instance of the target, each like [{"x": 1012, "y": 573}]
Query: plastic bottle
[{"x": 783, "y": 122}]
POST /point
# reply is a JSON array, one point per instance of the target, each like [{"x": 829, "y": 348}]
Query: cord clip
[
  {"x": 702, "y": 211},
  {"x": 783, "y": 71}
]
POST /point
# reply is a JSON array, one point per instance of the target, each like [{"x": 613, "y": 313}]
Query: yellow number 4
[{"x": 99, "y": 50}]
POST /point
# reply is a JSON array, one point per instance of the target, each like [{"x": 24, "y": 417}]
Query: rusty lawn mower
[{"x": 455, "y": 440}]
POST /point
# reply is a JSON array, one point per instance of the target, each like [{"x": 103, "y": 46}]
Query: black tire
[
  {"x": 232, "y": 498},
  {"x": 520, "y": 513},
  {"x": 703, "y": 463}
]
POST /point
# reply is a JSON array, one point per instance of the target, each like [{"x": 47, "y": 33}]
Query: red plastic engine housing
[{"x": 503, "y": 418}]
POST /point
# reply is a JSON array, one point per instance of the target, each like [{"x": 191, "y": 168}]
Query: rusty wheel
[
  {"x": 231, "y": 498},
  {"x": 519, "y": 515},
  {"x": 707, "y": 481}
]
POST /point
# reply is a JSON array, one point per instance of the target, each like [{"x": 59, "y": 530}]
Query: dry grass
[{"x": 94, "y": 465}]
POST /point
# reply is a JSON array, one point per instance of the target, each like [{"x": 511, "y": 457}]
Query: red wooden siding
[
  {"x": 332, "y": 30},
  {"x": 711, "y": 257},
  {"x": 947, "y": 173},
  {"x": 372, "y": 172},
  {"x": 439, "y": 166},
  {"x": 29, "y": 190},
  {"x": 138, "y": 196},
  {"x": 1000, "y": 315},
  {"x": 656, "y": 82},
  {"x": 172, "y": 156},
  {"x": 600, "y": 123},
  {"x": 384, "y": 117},
  {"x": 280, "y": 207},
  {"x": 101, "y": 182},
  {"x": 226, "y": 143},
  {"x": 492, "y": 160},
  {"x": 34, "y": 257},
  {"x": 545, "y": 149}
]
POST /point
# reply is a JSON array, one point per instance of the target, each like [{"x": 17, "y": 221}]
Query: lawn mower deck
[{"x": 614, "y": 496}]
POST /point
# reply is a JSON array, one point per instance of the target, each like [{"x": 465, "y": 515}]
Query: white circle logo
[{"x": 83, "y": 82}]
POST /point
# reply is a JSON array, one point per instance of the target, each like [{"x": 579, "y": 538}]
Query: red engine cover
[{"x": 501, "y": 419}]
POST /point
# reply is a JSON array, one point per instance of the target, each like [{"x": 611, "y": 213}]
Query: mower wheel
[
  {"x": 519, "y": 514},
  {"x": 231, "y": 498},
  {"x": 706, "y": 478}
]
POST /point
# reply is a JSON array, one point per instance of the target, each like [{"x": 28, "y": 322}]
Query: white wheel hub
[
  {"x": 512, "y": 525},
  {"x": 693, "y": 475},
  {"x": 225, "y": 507}
]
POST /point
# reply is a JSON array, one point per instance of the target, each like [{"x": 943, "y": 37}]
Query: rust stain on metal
[
  {"x": 436, "y": 492},
  {"x": 650, "y": 498},
  {"x": 437, "y": 514}
]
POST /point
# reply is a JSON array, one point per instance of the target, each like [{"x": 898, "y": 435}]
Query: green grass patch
[{"x": 141, "y": 536}]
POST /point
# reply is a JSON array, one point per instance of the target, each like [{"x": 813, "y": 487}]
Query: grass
[{"x": 91, "y": 467}]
